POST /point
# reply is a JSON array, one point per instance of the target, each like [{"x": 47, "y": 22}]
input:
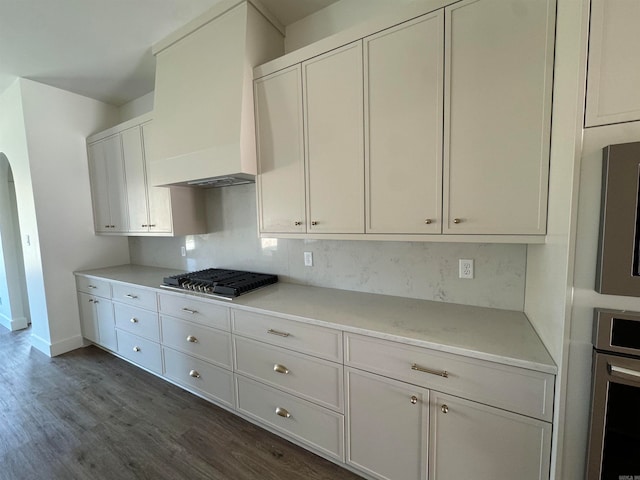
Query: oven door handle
[{"x": 616, "y": 371}]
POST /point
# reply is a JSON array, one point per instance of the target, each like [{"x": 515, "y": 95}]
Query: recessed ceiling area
[{"x": 102, "y": 49}]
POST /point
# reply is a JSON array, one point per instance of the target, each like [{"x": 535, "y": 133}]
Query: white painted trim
[
  {"x": 13, "y": 324},
  {"x": 41, "y": 344},
  {"x": 442, "y": 238},
  {"x": 134, "y": 122},
  {"x": 58, "y": 348}
]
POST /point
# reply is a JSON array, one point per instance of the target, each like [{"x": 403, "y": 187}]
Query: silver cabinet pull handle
[
  {"x": 194, "y": 374},
  {"x": 96, "y": 301},
  {"x": 427, "y": 221},
  {"x": 623, "y": 371},
  {"x": 314, "y": 223},
  {"x": 457, "y": 220},
  {"x": 445, "y": 409},
  {"x": 136, "y": 349},
  {"x": 282, "y": 412},
  {"x": 134, "y": 320},
  {"x": 144, "y": 226},
  {"x": 275, "y": 332},
  {"x": 188, "y": 310},
  {"x": 128, "y": 295},
  {"x": 442, "y": 373},
  {"x": 280, "y": 369},
  {"x": 91, "y": 300},
  {"x": 297, "y": 224},
  {"x": 192, "y": 339},
  {"x": 91, "y": 286},
  {"x": 413, "y": 399},
  {"x": 152, "y": 225}
]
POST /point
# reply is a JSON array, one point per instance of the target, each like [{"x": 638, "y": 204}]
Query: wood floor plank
[{"x": 90, "y": 415}]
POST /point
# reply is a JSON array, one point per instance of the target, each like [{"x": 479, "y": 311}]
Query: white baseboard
[
  {"x": 14, "y": 324},
  {"x": 58, "y": 348}
]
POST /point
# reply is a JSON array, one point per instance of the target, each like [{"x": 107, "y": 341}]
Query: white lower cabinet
[
  {"x": 387, "y": 425},
  {"x": 472, "y": 440},
  {"x": 142, "y": 351},
  {"x": 96, "y": 312},
  {"x": 307, "y": 423}
]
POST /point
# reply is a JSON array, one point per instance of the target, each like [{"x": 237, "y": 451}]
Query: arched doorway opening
[{"x": 14, "y": 300}]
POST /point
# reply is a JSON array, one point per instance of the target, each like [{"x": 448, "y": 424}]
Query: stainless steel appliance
[
  {"x": 618, "y": 271},
  {"x": 614, "y": 448},
  {"x": 219, "y": 283}
]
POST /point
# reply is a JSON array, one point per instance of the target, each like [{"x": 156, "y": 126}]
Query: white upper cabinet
[
  {"x": 403, "y": 127},
  {"x": 334, "y": 130},
  {"x": 279, "y": 133},
  {"x": 613, "y": 76},
  {"x": 108, "y": 185},
  {"x": 136, "y": 179},
  {"x": 497, "y": 112},
  {"x": 203, "y": 101}
]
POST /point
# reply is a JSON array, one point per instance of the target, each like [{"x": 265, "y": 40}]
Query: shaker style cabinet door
[
  {"x": 387, "y": 427},
  {"x": 279, "y": 133},
  {"x": 88, "y": 317},
  {"x": 136, "y": 179},
  {"x": 159, "y": 198},
  {"x": 334, "y": 132},
  {"x": 99, "y": 187},
  {"x": 497, "y": 112},
  {"x": 613, "y": 76},
  {"x": 403, "y": 127},
  {"x": 472, "y": 440}
]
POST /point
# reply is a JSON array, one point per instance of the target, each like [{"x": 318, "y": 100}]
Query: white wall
[
  {"x": 49, "y": 163},
  {"x": 335, "y": 18},
  {"x": 135, "y": 108}
]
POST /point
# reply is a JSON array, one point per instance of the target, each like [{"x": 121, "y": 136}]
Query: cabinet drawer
[
  {"x": 303, "y": 337},
  {"x": 311, "y": 378},
  {"x": 194, "y": 310},
  {"x": 138, "y": 297},
  {"x": 211, "y": 381},
  {"x": 140, "y": 350},
  {"x": 143, "y": 323},
  {"x": 94, "y": 286},
  {"x": 516, "y": 389},
  {"x": 305, "y": 422},
  {"x": 206, "y": 343}
]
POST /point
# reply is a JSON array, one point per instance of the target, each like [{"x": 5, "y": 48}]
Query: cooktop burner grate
[{"x": 217, "y": 281}]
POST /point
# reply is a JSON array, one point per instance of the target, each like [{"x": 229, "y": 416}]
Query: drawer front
[
  {"x": 143, "y": 323},
  {"x": 311, "y": 339},
  {"x": 93, "y": 286},
  {"x": 318, "y": 427},
  {"x": 197, "y": 340},
  {"x": 140, "y": 350},
  {"x": 194, "y": 310},
  {"x": 211, "y": 381},
  {"x": 516, "y": 389},
  {"x": 138, "y": 297},
  {"x": 311, "y": 378}
]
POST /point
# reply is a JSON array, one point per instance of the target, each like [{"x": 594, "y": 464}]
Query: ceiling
[{"x": 102, "y": 48}]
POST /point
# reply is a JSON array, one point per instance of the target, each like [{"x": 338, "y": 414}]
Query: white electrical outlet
[
  {"x": 183, "y": 251},
  {"x": 466, "y": 268},
  {"x": 308, "y": 259}
]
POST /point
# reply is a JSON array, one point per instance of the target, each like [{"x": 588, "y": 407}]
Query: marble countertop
[{"x": 503, "y": 336}]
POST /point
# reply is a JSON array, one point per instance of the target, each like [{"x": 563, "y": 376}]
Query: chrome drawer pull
[
  {"x": 128, "y": 295},
  {"x": 282, "y": 412},
  {"x": 192, "y": 339},
  {"x": 280, "y": 369},
  {"x": 188, "y": 310},
  {"x": 275, "y": 332},
  {"x": 418, "y": 368},
  {"x": 194, "y": 374},
  {"x": 91, "y": 286},
  {"x": 134, "y": 320},
  {"x": 413, "y": 399},
  {"x": 445, "y": 409},
  {"x": 136, "y": 349}
]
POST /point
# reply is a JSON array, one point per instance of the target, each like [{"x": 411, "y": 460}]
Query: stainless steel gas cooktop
[{"x": 219, "y": 283}]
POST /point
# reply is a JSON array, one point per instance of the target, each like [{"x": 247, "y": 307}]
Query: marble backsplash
[{"x": 409, "y": 269}]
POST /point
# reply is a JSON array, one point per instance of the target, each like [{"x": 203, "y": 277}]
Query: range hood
[{"x": 204, "y": 133}]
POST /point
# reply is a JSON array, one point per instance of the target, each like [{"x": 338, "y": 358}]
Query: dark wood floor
[{"x": 89, "y": 415}]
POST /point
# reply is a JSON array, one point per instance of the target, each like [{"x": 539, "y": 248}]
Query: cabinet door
[
  {"x": 106, "y": 324},
  {"x": 614, "y": 64},
  {"x": 334, "y": 132},
  {"x": 116, "y": 184},
  {"x": 403, "y": 125},
  {"x": 471, "y": 440},
  {"x": 136, "y": 179},
  {"x": 279, "y": 132},
  {"x": 387, "y": 423},
  {"x": 99, "y": 186},
  {"x": 159, "y": 198},
  {"x": 497, "y": 116},
  {"x": 88, "y": 317}
]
